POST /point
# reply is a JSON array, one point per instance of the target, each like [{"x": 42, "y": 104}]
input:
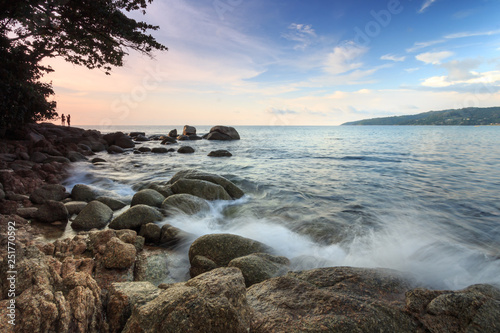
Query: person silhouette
[
  {"x": 63, "y": 120},
  {"x": 68, "y": 119}
]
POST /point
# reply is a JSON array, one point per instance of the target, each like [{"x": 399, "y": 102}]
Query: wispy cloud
[
  {"x": 472, "y": 34},
  {"x": 411, "y": 70},
  {"x": 434, "y": 58},
  {"x": 393, "y": 57},
  {"x": 421, "y": 45},
  {"x": 426, "y": 5},
  {"x": 280, "y": 111},
  {"x": 304, "y": 34},
  {"x": 344, "y": 58}
]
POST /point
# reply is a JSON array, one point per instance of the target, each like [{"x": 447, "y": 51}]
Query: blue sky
[{"x": 256, "y": 62}]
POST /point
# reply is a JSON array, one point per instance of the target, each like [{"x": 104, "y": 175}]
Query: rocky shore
[{"x": 113, "y": 275}]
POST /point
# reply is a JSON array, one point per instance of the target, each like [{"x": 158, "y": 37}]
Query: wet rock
[
  {"x": 75, "y": 156},
  {"x": 98, "y": 160},
  {"x": 200, "y": 188},
  {"x": 152, "y": 265},
  {"x": 183, "y": 138},
  {"x": 135, "y": 217},
  {"x": 151, "y": 233},
  {"x": 52, "y": 211},
  {"x": 58, "y": 159},
  {"x": 112, "y": 203},
  {"x": 195, "y": 137},
  {"x": 168, "y": 140},
  {"x": 185, "y": 150},
  {"x": 47, "y": 192},
  {"x": 221, "y": 249},
  {"x": 212, "y": 302},
  {"x": 187, "y": 203},
  {"x": 81, "y": 192},
  {"x": 223, "y": 133},
  {"x": 123, "y": 297},
  {"x": 189, "y": 130},
  {"x": 125, "y": 142},
  {"x": 259, "y": 267},
  {"x": 144, "y": 149},
  {"x": 159, "y": 150},
  {"x": 173, "y": 133},
  {"x": 114, "y": 149},
  {"x": 75, "y": 207},
  {"x": 38, "y": 157},
  {"x": 27, "y": 212},
  {"x": 165, "y": 190},
  {"x": 136, "y": 134},
  {"x": 172, "y": 236},
  {"x": 147, "y": 197},
  {"x": 220, "y": 153},
  {"x": 141, "y": 138},
  {"x": 118, "y": 254},
  {"x": 94, "y": 215},
  {"x": 234, "y": 191}
]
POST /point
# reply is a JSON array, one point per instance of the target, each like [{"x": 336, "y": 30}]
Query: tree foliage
[{"x": 91, "y": 33}]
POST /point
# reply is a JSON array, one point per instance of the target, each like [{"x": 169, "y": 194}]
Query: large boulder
[
  {"x": 185, "y": 150},
  {"x": 48, "y": 192},
  {"x": 147, "y": 197},
  {"x": 338, "y": 299},
  {"x": 168, "y": 140},
  {"x": 52, "y": 211},
  {"x": 134, "y": 217},
  {"x": 212, "y": 302},
  {"x": 173, "y": 133},
  {"x": 112, "y": 203},
  {"x": 81, "y": 192},
  {"x": 200, "y": 188},
  {"x": 186, "y": 203},
  {"x": 258, "y": 267},
  {"x": 123, "y": 297},
  {"x": 224, "y": 133},
  {"x": 171, "y": 236},
  {"x": 118, "y": 254},
  {"x": 234, "y": 191},
  {"x": 151, "y": 233},
  {"x": 217, "y": 250},
  {"x": 189, "y": 130},
  {"x": 94, "y": 215},
  {"x": 75, "y": 207},
  {"x": 119, "y": 139},
  {"x": 220, "y": 153}
]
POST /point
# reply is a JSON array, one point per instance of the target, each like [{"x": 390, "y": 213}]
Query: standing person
[
  {"x": 69, "y": 117},
  {"x": 63, "y": 119}
]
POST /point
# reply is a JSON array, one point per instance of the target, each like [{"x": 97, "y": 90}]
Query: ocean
[{"x": 422, "y": 200}]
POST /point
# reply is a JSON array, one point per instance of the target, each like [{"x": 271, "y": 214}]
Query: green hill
[{"x": 467, "y": 116}]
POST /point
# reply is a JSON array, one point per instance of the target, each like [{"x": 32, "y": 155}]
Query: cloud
[
  {"x": 304, "y": 34},
  {"x": 392, "y": 57},
  {"x": 421, "y": 45},
  {"x": 343, "y": 59},
  {"x": 434, "y": 57},
  {"x": 462, "y": 70},
  {"x": 279, "y": 111},
  {"x": 472, "y": 34},
  {"x": 426, "y": 5},
  {"x": 411, "y": 70}
]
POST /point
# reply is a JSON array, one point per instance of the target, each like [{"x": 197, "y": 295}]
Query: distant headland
[{"x": 454, "y": 117}]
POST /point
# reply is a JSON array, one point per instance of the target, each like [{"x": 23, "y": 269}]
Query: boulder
[
  {"x": 123, "y": 297},
  {"x": 119, "y": 139},
  {"x": 94, "y": 215},
  {"x": 168, "y": 140},
  {"x": 114, "y": 149},
  {"x": 75, "y": 156},
  {"x": 187, "y": 203},
  {"x": 227, "y": 131},
  {"x": 141, "y": 138},
  {"x": 200, "y": 188},
  {"x": 173, "y": 133},
  {"x": 338, "y": 299},
  {"x": 38, "y": 157},
  {"x": 54, "y": 192},
  {"x": 135, "y": 217},
  {"x": 147, "y": 197},
  {"x": 220, "y": 153},
  {"x": 52, "y": 211},
  {"x": 221, "y": 249},
  {"x": 195, "y": 137},
  {"x": 26, "y": 212},
  {"x": 159, "y": 150},
  {"x": 98, "y": 160},
  {"x": 144, "y": 149},
  {"x": 58, "y": 159},
  {"x": 234, "y": 191},
  {"x": 258, "y": 267},
  {"x": 165, "y": 190},
  {"x": 189, "y": 130},
  {"x": 151, "y": 233},
  {"x": 152, "y": 264},
  {"x": 212, "y": 302},
  {"x": 217, "y": 136},
  {"x": 118, "y": 254},
  {"x": 81, "y": 192},
  {"x": 172, "y": 236},
  {"x": 75, "y": 207},
  {"x": 112, "y": 203},
  {"x": 183, "y": 138}
]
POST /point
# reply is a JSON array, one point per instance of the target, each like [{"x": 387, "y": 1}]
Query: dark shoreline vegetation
[
  {"x": 110, "y": 276},
  {"x": 455, "y": 117}
]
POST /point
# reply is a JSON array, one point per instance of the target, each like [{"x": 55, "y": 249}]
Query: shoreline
[{"x": 112, "y": 275}]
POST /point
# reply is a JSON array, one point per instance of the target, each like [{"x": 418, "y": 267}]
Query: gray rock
[
  {"x": 187, "y": 203},
  {"x": 81, "y": 192},
  {"x": 165, "y": 190},
  {"x": 234, "y": 191},
  {"x": 227, "y": 131},
  {"x": 38, "y": 157},
  {"x": 98, "y": 160},
  {"x": 136, "y": 134},
  {"x": 52, "y": 211},
  {"x": 148, "y": 197},
  {"x": 217, "y": 136},
  {"x": 152, "y": 265},
  {"x": 144, "y": 149},
  {"x": 172, "y": 236},
  {"x": 195, "y": 137},
  {"x": 151, "y": 233},
  {"x": 75, "y": 156},
  {"x": 94, "y": 215},
  {"x": 47, "y": 192},
  {"x": 189, "y": 130},
  {"x": 135, "y": 217},
  {"x": 173, "y": 133},
  {"x": 112, "y": 203},
  {"x": 75, "y": 207},
  {"x": 123, "y": 297},
  {"x": 212, "y": 302},
  {"x": 159, "y": 150},
  {"x": 114, "y": 149},
  {"x": 168, "y": 140},
  {"x": 27, "y": 212},
  {"x": 220, "y": 153},
  {"x": 200, "y": 188},
  {"x": 141, "y": 138},
  {"x": 125, "y": 142},
  {"x": 183, "y": 138},
  {"x": 221, "y": 249},
  {"x": 258, "y": 267}
]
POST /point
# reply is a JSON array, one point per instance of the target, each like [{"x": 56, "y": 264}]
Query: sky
[{"x": 291, "y": 62}]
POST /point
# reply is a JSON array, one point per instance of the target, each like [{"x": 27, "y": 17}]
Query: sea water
[{"x": 422, "y": 200}]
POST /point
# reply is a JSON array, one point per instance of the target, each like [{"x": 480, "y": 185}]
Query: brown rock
[{"x": 119, "y": 254}]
